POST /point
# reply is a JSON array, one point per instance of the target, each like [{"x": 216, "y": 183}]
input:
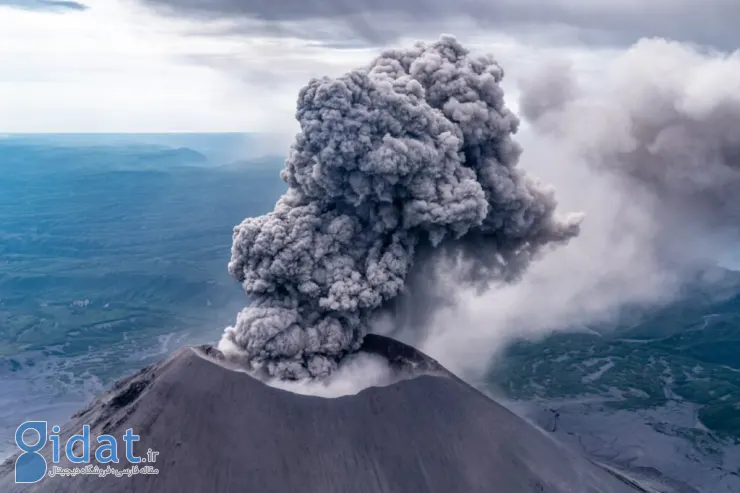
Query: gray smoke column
[{"x": 413, "y": 153}]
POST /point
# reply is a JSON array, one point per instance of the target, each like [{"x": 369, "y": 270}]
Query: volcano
[{"x": 218, "y": 429}]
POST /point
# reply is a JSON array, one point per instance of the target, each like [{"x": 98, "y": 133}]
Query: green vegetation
[{"x": 686, "y": 353}]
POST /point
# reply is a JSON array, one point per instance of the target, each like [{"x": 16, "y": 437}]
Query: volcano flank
[{"x": 218, "y": 429}]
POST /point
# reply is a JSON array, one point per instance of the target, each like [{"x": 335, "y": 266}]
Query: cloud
[
  {"x": 149, "y": 73},
  {"x": 44, "y": 4},
  {"x": 381, "y": 21},
  {"x": 119, "y": 67},
  {"x": 146, "y": 72}
]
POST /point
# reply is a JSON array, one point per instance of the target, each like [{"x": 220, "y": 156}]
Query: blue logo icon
[{"x": 30, "y": 466}]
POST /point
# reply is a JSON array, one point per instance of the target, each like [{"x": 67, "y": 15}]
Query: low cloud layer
[{"x": 610, "y": 21}]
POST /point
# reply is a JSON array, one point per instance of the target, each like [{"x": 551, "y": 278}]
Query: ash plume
[{"x": 398, "y": 165}]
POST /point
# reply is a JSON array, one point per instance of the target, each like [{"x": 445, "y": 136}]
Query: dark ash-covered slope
[{"x": 220, "y": 430}]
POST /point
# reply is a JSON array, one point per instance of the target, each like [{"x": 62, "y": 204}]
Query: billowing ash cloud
[
  {"x": 412, "y": 154},
  {"x": 666, "y": 117}
]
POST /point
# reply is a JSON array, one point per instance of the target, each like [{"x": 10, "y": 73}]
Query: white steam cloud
[
  {"x": 400, "y": 167},
  {"x": 354, "y": 374}
]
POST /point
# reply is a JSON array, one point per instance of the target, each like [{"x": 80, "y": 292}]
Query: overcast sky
[{"x": 170, "y": 65}]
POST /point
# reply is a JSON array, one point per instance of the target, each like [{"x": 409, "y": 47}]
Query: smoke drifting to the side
[
  {"x": 667, "y": 118},
  {"x": 664, "y": 122},
  {"x": 650, "y": 151},
  {"x": 411, "y": 155}
]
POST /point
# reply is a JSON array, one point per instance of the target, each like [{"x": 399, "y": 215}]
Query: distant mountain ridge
[
  {"x": 219, "y": 148},
  {"x": 20, "y": 155}
]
